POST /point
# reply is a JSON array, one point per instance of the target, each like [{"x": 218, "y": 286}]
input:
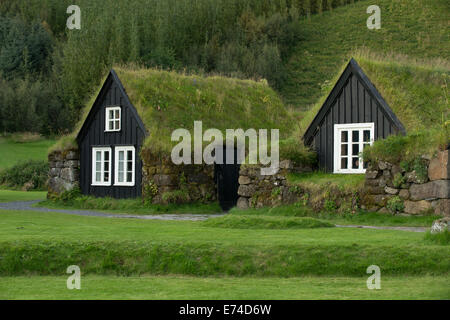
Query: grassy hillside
[
  {"x": 13, "y": 151},
  {"x": 329, "y": 39}
]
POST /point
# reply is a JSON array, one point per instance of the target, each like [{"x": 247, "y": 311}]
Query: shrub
[
  {"x": 31, "y": 172},
  {"x": 176, "y": 196},
  {"x": 398, "y": 180},
  {"x": 329, "y": 205},
  {"x": 395, "y": 204}
]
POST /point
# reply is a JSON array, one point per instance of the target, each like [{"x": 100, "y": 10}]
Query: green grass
[
  {"x": 182, "y": 288},
  {"x": 13, "y": 152},
  {"x": 351, "y": 181},
  {"x": 318, "y": 58},
  {"x": 9, "y": 195},
  {"x": 265, "y": 222},
  {"x": 135, "y": 206},
  {"x": 359, "y": 218},
  {"x": 442, "y": 238},
  {"x": 34, "y": 243}
]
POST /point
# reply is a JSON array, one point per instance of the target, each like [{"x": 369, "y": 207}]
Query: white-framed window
[
  {"x": 101, "y": 166},
  {"x": 113, "y": 118},
  {"x": 124, "y": 166},
  {"x": 349, "y": 141}
]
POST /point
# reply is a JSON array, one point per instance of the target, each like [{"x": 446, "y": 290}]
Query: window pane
[
  {"x": 366, "y": 136},
  {"x": 120, "y": 176},
  {"x": 129, "y": 177},
  {"x": 106, "y": 166},
  {"x": 106, "y": 155},
  {"x": 355, "y": 163},
  {"x": 344, "y": 163},
  {"x": 98, "y": 156},
  {"x": 129, "y": 166},
  {"x": 355, "y": 149},
  {"x": 117, "y": 125},
  {"x": 111, "y": 125},
  {"x": 111, "y": 114},
  {"x": 344, "y": 136},
  {"x": 98, "y": 175},
  {"x": 355, "y": 136},
  {"x": 106, "y": 176},
  {"x": 98, "y": 166},
  {"x": 344, "y": 149},
  {"x": 130, "y": 155},
  {"x": 120, "y": 166},
  {"x": 121, "y": 154},
  {"x": 117, "y": 114}
]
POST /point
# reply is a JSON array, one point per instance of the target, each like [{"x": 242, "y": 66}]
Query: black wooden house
[
  {"x": 109, "y": 142},
  {"x": 353, "y": 115}
]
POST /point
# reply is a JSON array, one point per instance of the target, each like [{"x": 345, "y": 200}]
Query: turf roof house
[
  {"x": 124, "y": 143},
  {"x": 353, "y": 115}
]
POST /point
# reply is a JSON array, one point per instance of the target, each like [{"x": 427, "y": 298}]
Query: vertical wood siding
[
  {"x": 354, "y": 104},
  {"x": 130, "y": 134}
]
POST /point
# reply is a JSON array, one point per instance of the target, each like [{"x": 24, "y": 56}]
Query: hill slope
[{"x": 331, "y": 37}]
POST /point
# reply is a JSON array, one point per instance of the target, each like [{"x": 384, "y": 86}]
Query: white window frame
[
  {"x": 108, "y": 119},
  {"x": 338, "y": 129},
  {"x": 125, "y": 149},
  {"x": 102, "y": 182}
]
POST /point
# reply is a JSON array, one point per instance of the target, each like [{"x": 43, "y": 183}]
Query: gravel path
[{"x": 28, "y": 205}]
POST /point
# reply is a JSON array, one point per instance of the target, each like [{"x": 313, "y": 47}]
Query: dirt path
[{"x": 28, "y": 205}]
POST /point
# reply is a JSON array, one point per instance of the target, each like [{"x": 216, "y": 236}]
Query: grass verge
[
  {"x": 11, "y": 195},
  {"x": 359, "y": 218},
  {"x": 265, "y": 222},
  {"x": 182, "y": 287}
]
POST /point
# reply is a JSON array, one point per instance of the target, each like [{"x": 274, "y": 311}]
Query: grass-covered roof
[
  {"x": 416, "y": 91},
  {"x": 167, "y": 100}
]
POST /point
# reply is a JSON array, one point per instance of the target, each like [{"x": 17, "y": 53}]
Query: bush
[
  {"x": 34, "y": 173},
  {"x": 395, "y": 204}
]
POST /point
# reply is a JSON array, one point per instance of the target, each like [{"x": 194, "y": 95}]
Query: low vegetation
[
  {"x": 74, "y": 200},
  {"x": 442, "y": 238},
  {"x": 357, "y": 218},
  {"x": 231, "y": 288},
  {"x": 265, "y": 222},
  {"x": 28, "y": 175},
  {"x": 46, "y": 243}
]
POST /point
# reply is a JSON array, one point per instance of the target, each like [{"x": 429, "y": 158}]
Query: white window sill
[
  {"x": 124, "y": 184},
  {"x": 101, "y": 184}
]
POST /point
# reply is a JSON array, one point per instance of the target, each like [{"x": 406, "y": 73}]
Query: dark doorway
[{"x": 227, "y": 177}]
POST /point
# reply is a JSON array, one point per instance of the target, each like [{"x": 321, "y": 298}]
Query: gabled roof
[
  {"x": 167, "y": 100},
  {"x": 110, "y": 79},
  {"x": 352, "y": 69}
]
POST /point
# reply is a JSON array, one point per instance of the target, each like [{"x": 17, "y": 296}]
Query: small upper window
[
  {"x": 349, "y": 141},
  {"x": 113, "y": 115}
]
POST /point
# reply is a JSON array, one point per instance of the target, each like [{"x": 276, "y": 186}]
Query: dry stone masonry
[
  {"x": 64, "y": 171},
  {"x": 425, "y": 189},
  {"x": 256, "y": 190}
]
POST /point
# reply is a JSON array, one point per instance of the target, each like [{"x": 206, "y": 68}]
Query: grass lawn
[
  {"x": 10, "y": 195},
  {"x": 46, "y": 243},
  {"x": 182, "y": 287},
  {"x": 13, "y": 152}
]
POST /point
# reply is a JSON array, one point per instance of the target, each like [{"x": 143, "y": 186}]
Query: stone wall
[
  {"x": 423, "y": 188},
  {"x": 164, "y": 182},
  {"x": 256, "y": 190},
  {"x": 64, "y": 171}
]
